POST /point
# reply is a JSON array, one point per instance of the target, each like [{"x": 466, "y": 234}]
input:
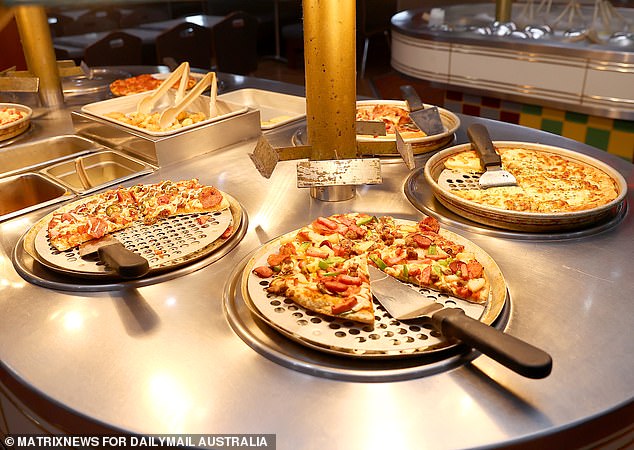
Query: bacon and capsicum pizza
[{"x": 323, "y": 266}]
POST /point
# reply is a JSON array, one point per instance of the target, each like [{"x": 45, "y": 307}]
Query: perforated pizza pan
[
  {"x": 168, "y": 244},
  {"x": 387, "y": 337},
  {"x": 521, "y": 220}
]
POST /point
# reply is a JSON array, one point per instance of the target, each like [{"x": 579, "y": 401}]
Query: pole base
[{"x": 333, "y": 193}]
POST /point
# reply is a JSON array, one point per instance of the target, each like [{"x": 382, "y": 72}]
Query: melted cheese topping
[{"x": 547, "y": 183}]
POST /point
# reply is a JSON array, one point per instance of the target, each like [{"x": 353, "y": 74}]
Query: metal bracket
[
  {"x": 339, "y": 172},
  {"x": 405, "y": 149},
  {"x": 370, "y": 127}
]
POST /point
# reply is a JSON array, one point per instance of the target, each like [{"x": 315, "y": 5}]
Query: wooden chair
[
  {"x": 373, "y": 18},
  {"x": 94, "y": 21},
  {"x": 115, "y": 49},
  {"x": 185, "y": 42},
  {"x": 235, "y": 43}
]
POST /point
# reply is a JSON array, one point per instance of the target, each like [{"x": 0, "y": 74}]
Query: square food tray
[{"x": 275, "y": 109}]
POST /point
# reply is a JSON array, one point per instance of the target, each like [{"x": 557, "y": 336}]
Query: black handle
[
  {"x": 411, "y": 97},
  {"x": 123, "y": 261},
  {"x": 510, "y": 351},
  {"x": 481, "y": 141}
]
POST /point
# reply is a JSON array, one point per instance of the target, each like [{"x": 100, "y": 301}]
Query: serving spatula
[
  {"x": 494, "y": 175},
  {"x": 116, "y": 256},
  {"x": 427, "y": 119},
  {"x": 404, "y": 303}
]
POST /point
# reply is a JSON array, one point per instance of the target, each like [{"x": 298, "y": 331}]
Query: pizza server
[
  {"x": 113, "y": 254},
  {"x": 427, "y": 119},
  {"x": 494, "y": 175},
  {"x": 404, "y": 303}
]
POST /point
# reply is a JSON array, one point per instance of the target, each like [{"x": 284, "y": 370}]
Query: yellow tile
[
  {"x": 551, "y": 113},
  {"x": 576, "y": 131},
  {"x": 531, "y": 121},
  {"x": 599, "y": 122},
  {"x": 622, "y": 144}
]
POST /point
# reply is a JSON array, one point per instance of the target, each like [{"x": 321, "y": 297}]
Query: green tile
[
  {"x": 532, "y": 109},
  {"x": 576, "y": 117},
  {"x": 598, "y": 138},
  {"x": 552, "y": 126},
  {"x": 624, "y": 125}
]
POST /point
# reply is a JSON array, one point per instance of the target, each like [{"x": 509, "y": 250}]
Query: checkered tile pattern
[{"x": 611, "y": 135}]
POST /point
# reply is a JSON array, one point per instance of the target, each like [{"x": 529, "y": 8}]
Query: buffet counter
[
  {"x": 567, "y": 66},
  {"x": 182, "y": 354}
]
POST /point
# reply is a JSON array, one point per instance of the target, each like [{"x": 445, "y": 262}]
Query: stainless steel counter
[{"x": 164, "y": 358}]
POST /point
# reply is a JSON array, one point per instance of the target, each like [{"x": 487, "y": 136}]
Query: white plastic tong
[{"x": 181, "y": 101}]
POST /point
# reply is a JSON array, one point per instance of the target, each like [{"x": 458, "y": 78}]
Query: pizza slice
[
  {"x": 169, "y": 198},
  {"x": 119, "y": 208},
  {"x": 314, "y": 277},
  {"x": 92, "y": 218},
  {"x": 422, "y": 256}
]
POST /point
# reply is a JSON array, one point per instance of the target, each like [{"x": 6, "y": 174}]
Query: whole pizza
[
  {"x": 141, "y": 83},
  {"x": 116, "y": 209},
  {"x": 323, "y": 266},
  {"x": 546, "y": 182}
]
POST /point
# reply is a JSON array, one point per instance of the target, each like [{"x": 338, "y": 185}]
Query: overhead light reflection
[{"x": 170, "y": 402}]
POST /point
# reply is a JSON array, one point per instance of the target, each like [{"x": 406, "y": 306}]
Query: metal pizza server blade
[
  {"x": 494, "y": 175},
  {"x": 404, "y": 303},
  {"x": 113, "y": 254},
  {"x": 427, "y": 119}
]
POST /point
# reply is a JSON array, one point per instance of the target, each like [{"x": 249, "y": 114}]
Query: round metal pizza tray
[
  {"x": 167, "y": 245},
  {"x": 387, "y": 337},
  {"x": 13, "y": 129},
  {"x": 520, "y": 220}
]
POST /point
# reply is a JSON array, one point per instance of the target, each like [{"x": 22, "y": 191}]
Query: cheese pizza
[{"x": 546, "y": 182}]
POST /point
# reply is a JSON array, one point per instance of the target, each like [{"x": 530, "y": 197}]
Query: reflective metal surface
[{"x": 163, "y": 358}]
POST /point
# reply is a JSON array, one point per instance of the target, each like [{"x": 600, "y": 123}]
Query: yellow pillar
[
  {"x": 503, "y": 10},
  {"x": 39, "y": 53},
  {"x": 330, "y": 68}
]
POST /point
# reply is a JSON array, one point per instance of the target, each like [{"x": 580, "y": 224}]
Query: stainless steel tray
[
  {"x": 163, "y": 150},
  {"x": 94, "y": 171},
  {"x": 27, "y": 192},
  {"x": 34, "y": 155}
]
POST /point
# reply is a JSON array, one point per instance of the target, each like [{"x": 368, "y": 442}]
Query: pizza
[
  {"x": 119, "y": 208},
  {"x": 395, "y": 118},
  {"x": 9, "y": 114},
  {"x": 141, "y": 83},
  {"x": 546, "y": 182},
  {"x": 323, "y": 266}
]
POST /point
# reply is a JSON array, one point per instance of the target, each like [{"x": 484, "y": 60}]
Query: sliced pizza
[
  {"x": 116, "y": 209},
  {"x": 323, "y": 266}
]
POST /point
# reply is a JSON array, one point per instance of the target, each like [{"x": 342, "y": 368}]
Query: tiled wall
[{"x": 611, "y": 135}]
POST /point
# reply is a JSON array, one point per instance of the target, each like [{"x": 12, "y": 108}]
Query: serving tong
[{"x": 181, "y": 101}]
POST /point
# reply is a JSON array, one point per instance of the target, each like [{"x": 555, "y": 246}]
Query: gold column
[
  {"x": 503, "y": 10},
  {"x": 330, "y": 67},
  {"x": 39, "y": 53}
]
